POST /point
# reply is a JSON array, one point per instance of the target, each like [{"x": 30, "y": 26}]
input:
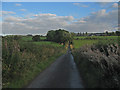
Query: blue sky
[
  {"x": 61, "y": 0},
  {"x": 60, "y": 9},
  {"x": 40, "y": 17}
]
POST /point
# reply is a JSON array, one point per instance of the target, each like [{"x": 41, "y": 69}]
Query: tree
[
  {"x": 83, "y": 34},
  {"x": 86, "y": 33},
  {"x": 107, "y": 33},
  {"x": 50, "y": 35},
  {"x": 59, "y": 36},
  {"x": 113, "y": 34},
  {"x": 36, "y": 38},
  {"x": 16, "y": 37},
  {"x": 118, "y": 33},
  {"x": 73, "y": 34}
]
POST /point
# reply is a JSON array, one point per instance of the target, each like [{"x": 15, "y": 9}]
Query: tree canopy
[
  {"x": 59, "y": 36},
  {"x": 36, "y": 38}
]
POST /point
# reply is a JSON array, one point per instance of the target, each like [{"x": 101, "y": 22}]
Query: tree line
[{"x": 58, "y": 36}]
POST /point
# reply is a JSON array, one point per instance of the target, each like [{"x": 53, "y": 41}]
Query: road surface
[{"x": 63, "y": 73}]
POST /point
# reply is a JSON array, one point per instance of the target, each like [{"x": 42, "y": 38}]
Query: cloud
[
  {"x": 96, "y": 22},
  {"x": 106, "y": 0},
  {"x": 45, "y": 15},
  {"x": 61, "y": 1},
  {"x": 76, "y": 3},
  {"x": 17, "y": 4},
  {"x": 115, "y": 5},
  {"x": 41, "y": 23},
  {"x": 80, "y": 5},
  {"x": 23, "y": 10},
  {"x": 7, "y": 12}
]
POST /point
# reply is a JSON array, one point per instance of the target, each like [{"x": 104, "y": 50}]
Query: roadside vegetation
[
  {"x": 23, "y": 59},
  {"x": 98, "y": 60},
  {"x": 97, "y": 57}
]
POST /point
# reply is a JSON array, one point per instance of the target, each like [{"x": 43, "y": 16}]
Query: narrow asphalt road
[{"x": 63, "y": 73}]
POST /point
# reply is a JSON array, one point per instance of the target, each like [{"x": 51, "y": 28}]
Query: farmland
[
  {"x": 25, "y": 59},
  {"x": 29, "y": 38},
  {"x": 83, "y": 40}
]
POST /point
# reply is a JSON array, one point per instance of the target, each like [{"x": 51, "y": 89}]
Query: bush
[
  {"x": 36, "y": 38},
  {"x": 21, "y": 58},
  {"x": 99, "y": 65}
]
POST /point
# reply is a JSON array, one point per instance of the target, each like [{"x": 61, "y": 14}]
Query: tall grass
[{"x": 22, "y": 61}]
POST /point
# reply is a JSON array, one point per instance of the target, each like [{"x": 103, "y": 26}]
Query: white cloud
[
  {"x": 7, "y": 12},
  {"x": 76, "y": 3},
  {"x": 96, "y": 22},
  {"x": 106, "y": 0},
  {"x": 80, "y": 5},
  {"x": 41, "y": 23},
  {"x": 23, "y": 10},
  {"x": 115, "y": 5},
  {"x": 60, "y": 0},
  {"x": 100, "y": 13},
  {"x": 17, "y": 4}
]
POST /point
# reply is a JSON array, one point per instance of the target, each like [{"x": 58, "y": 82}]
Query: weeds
[{"x": 22, "y": 61}]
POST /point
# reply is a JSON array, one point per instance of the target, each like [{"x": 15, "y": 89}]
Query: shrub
[{"x": 36, "y": 38}]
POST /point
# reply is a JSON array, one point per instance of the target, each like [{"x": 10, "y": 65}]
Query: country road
[{"x": 63, "y": 73}]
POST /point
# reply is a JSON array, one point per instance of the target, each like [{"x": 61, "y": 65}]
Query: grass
[
  {"x": 48, "y": 43},
  {"x": 29, "y": 38},
  {"x": 79, "y": 37},
  {"x": 80, "y": 43},
  {"x": 100, "y": 37},
  {"x": 32, "y": 73},
  {"x": 26, "y": 59},
  {"x": 83, "y": 40}
]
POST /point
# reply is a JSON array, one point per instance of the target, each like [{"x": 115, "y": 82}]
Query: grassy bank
[
  {"x": 24, "y": 60},
  {"x": 99, "y": 63}
]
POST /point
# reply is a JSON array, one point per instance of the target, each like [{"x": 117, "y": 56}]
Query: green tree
[
  {"x": 86, "y": 33},
  {"x": 59, "y": 36},
  {"x": 118, "y": 33},
  {"x": 107, "y": 33},
  {"x": 51, "y": 35},
  {"x": 36, "y": 38}
]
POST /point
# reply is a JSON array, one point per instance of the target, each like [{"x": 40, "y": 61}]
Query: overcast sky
[{"x": 40, "y": 17}]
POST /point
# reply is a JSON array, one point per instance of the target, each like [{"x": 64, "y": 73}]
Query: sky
[
  {"x": 60, "y": 0},
  {"x": 40, "y": 17}
]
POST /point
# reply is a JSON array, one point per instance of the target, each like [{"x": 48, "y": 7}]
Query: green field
[
  {"x": 81, "y": 41},
  {"x": 99, "y": 37},
  {"x": 29, "y": 38},
  {"x": 48, "y": 43}
]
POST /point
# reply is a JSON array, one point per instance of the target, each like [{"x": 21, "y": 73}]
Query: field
[
  {"x": 29, "y": 38},
  {"x": 81, "y": 40},
  {"x": 25, "y": 59}
]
